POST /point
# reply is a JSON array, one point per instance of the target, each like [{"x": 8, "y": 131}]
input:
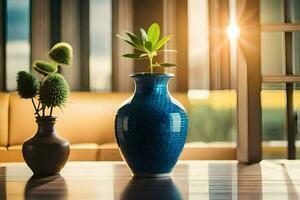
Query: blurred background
[{"x": 206, "y": 53}]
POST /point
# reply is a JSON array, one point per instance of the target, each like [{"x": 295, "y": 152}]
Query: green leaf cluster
[
  {"x": 61, "y": 53},
  {"x": 52, "y": 90},
  {"x": 27, "y": 85},
  {"x": 44, "y": 68},
  {"x": 148, "y": 45}
]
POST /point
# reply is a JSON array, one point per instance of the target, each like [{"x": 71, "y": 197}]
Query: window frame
[
  {"x": 2, "y": 45},
  {"x": 288, "y": 78}
]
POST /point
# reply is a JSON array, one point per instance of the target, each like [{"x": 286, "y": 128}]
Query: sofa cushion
[
  {"x": 4, "y": 102},
  {"x": 79, "y": 152},
  {"x": 109, "y": 152},
  {"x": 87, "y": 118}
]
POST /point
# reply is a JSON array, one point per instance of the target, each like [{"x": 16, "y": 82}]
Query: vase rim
[
  {"x": 148, "y": 74},
  {"x": 46, "y": 119}
]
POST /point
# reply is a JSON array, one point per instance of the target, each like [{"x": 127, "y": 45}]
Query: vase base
[
  {"x": 146, "y": 175},
  {"x": 41, "y": 175}
]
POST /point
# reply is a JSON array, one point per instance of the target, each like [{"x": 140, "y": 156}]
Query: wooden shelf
[
  {"x": 286, "y": 27},
  {"x": 281, "y": 79}
]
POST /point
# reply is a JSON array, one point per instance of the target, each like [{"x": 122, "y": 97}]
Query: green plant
[
  {"x": 148, "y": 46},
  {"x": 44, "y": 68},
  {"x": 61, "y": 53},
  {"x": 27, "y": 85},
  {"x": 52, "y": 89}
]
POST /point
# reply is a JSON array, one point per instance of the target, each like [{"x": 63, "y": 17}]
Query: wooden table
[{"x": 190, "y": 180}]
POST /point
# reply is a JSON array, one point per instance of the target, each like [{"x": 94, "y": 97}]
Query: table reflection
[
  {"x": 190, "y": 180},
  {"x": 148, "y": 188},
  {"x": 224, "y": 180},
  {"x": 2, "y": 183},
  {"x": 291, "y": 189},
  {"x": 50, "y": 187},
  {"x": 249, "y": 181}
]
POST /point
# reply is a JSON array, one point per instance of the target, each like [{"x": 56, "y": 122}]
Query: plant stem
[
  {"x": 151, "y": 64},
  {"x": 36, "y": 110},
  {"x": 38, "y": 107},
  {"x": 43, "y": 76},
  {"x": 51, "y": 109},
  {"x": 39, "y": 104},
  {"x": 44, "y": 107}
]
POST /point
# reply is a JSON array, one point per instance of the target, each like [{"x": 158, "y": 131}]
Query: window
[
  {"x": 212, "y": 121},
  {"x": 100, "y": 45},
  {"x": 280, "y": 64},
  {"x": 272, "y": 43},
  {"x": 18, "y": 39},
  {"x": 198, "y": 45}
]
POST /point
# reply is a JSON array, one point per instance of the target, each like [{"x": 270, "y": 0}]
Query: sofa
[{"x": 87, "y": 122}]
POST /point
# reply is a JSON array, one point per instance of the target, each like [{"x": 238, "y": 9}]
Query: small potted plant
[
  {"x": 46, "y": 153},
  {"x": 151, "y": 126}
]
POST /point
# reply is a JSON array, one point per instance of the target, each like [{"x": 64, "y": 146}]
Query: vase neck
[
  {"x": 151, "y": 84},
  {"x": 46, "y": 127}
]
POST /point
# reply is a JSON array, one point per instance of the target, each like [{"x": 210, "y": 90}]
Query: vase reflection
[
  {"x": 48, "y": 187},
  {"x": 151, "y": 188}
]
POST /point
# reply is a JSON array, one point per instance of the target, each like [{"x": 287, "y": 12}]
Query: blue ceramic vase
[{"x": 151, "y": 127}]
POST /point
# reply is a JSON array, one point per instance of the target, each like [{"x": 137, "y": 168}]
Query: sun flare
[{"x": 233, "y": 31}]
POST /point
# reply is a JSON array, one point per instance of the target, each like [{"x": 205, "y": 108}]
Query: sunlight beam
[{"x": 233, "y": 31}]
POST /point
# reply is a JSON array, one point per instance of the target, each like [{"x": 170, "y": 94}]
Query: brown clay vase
[{"x": 46, "y": 153}]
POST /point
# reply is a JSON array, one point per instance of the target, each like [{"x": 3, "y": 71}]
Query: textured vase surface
[
  {"x": 46, "y": 153},
  {"x": 151, "y": 127}
]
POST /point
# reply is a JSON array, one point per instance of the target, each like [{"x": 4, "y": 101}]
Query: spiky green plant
[
  {"x": 44, "y": 68},
  {"x": 52, "y": 90},
  {"x": 148, "y": 46},
  {"x": 27, "y": 85},
  {"x": 61, "y": 53}
]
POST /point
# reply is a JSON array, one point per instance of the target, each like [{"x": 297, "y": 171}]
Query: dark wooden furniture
[{"x": 190, "y": 180}]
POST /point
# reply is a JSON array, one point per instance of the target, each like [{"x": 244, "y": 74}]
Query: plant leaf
[
  {"x": 155, "y": 65},
  {"x": 167, "y": 50},
  {"x": 161, "y": 42},
  {"x": 132, "y": 44},
  {"x": 121, "y": 37},
  {"x": 167, "y": 65},
  {"x": 144, "y": 35},
  {"x": 148, "y": 45},
  {"x": 134, "y": 56},
  {"x": 143, "y": 55},
  {"x": 153, "y": 33},
  {"x": 129, "y": 42},
  {"x": 135, "y": 39}
]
